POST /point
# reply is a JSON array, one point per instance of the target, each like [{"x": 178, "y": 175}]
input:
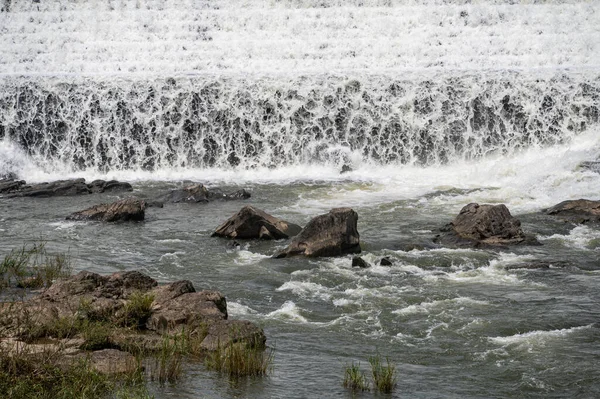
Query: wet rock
[
  {"x": 357, "y": 261},
  {"x": 484, "y": 225},
  {"x": 19, "y": 188},
  {"x": 8, "y": 186},
  {"x": 576, "y": 211},
  {"x": 101, "y": 186},
  {"x": 251, "y": 222},
  {"x": 528, "y": 266},
  {"x": 385, "y": 261},
  {"x": 129, "y": 209},
  {"x": 8, "y": 176},
  {"x": 226, "y": 332},
  {"x": 52, "y": 189},
  {"x": 331, "y": 234},
  {"x": 345, "y": 169},
  {"x": 199, "y": 193}
]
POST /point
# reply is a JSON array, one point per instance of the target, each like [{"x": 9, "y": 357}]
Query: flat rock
[
  {"x": 576, "y": 211},
  {"x": 105, "y": 361},
  {"x": 129, "y": 209},
  {"x": 332, "y": 234},
  {"x": 484, "y": 225},
  {"x": 12, "y": 188},
  {"x": 251, "y": 222}
]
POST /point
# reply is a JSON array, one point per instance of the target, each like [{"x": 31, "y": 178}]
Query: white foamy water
[
  {"x": 175, "y": 36},
  {"x": 537, "y": 337}
]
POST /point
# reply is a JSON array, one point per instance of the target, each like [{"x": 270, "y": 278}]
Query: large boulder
[
  {"x": 485, "y": 224},
  {"x": 332, "y": 234},
  {"x": 576, "y": 211},
  {"x": 200, "y": 193},
  {"x": 251, "y": 222},
  {"x": 129, "y": 209}
]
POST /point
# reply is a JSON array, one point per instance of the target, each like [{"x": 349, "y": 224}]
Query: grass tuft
[
  {"x": 137, "y": 310},
  {"x": 240, "y": 360},
  {"x": 355, "y": 379},
  {"x": 384, "y": 376}
]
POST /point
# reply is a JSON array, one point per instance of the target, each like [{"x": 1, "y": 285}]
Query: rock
[
  {"x": 357, "y": 261},
  {"x": 101, "y": 186},
  {"x": 129, "y": 209},
  {"x": 576, "y": 211},
  {"x": 385, "y": 261},
  {"x": 199, "y": 193},
  {"x": 331, "y": 234},
  {"x": 53, "y": 189},
  {"x": 251, "y": 222},
  {"x": 478, "y": 225},
  {"x": 189, "y": 309},
  {"x": 18, "y": 188},
  {"x": 105, "y": 361},
  {"x": 8, "y": 176},
  {"x": 226, "y": 332},
  {"x": 345, "y": 169},
  {"x": 8, "y": 186}
]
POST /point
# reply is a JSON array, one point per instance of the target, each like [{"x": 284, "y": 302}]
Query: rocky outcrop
[
  {"x": 129, "y": 209},
  {"x": 332, "y": 234},
  {"x": 168, "y": 309},
  {"x": 251, "y": 222},
  {"x": 19, "y": 188},
  {"x": 199, "y": 193},
  {"x": 576, "y": 211},
  {"x": 481, "y": 225}
]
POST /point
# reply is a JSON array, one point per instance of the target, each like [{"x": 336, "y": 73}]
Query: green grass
[
  {"x": 384, "y": 376},
  {"x": 33, "y": 267},
  {"x": 354, "y": 378},
  {"x": 137, "y": 310},
  {"x": 240, "y": 360},
  {"x": 167, "y": 362}
]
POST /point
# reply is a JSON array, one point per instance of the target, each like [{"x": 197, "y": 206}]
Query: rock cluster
[{"x": 175, "y": 307}]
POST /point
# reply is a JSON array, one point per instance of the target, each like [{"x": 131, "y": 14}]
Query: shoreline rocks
[
  {"x": 484, "y": 225},
  {"x": 332, "y": 234},
  {"x": 250, "y": 222},
  {"x": 114, "y": 300}
]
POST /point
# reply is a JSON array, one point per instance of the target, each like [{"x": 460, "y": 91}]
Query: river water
[{"x": 432, "y": 104}]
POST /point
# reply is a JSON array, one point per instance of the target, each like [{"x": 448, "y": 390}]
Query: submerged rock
[
  {"x": 332, "y": 234},
  {"x": 129, "y": 209},
  {"x": 251, "y": 222},
  {"x": 101, "y": 186},
  {"x": 200, "y": 193},
  {"x": 576, "y": 211},
  {"x": 385, "y": 261},
  {"x": 485, "y": 224},
  {"x": 357, "y": 261}
]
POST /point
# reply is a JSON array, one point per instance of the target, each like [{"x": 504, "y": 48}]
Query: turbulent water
[{"x": 432, "y": 104}]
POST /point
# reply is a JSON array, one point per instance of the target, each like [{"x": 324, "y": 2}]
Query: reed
[
  {"x": 384, "y": 376},
  {"x": 354, "y": 378}
]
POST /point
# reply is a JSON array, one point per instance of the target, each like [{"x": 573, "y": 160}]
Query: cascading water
[
  {"x": 190, "y": 84},
  {"x": 433, "y": 104}
]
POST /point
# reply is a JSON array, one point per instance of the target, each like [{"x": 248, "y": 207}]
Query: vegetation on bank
[
  {"x": 383, "y": 376},
  {"x": 32, "y": 354}
]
